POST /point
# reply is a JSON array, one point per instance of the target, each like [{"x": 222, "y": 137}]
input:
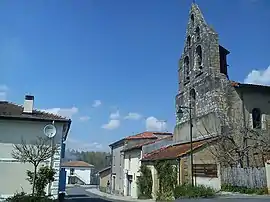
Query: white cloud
[
  {"x": 96, "y": 103},
  {"x": 84, "y": 118},
  {"x": 81, "y": 145},
  {"x": 3, "y": 96},
  {"x": 111, "y": 125},
  {"x": 3, "y": 92},
  {"x": 3, "y": 87},
  {"x": 115, "y": 115},
  {"x": 261, "y": 77},
  {"x": 133, "y": 116},
  {"x": 65, "y": 112},
  {"x": 153, "y": 124}
]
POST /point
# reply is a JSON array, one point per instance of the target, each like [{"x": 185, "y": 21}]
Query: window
[
  {"x": 129, "y": 161},
  {"x": 192, "y": 19},
  {"x": 72, "y": 171},
  {"x": 113, "y": 160},
  {"x": 193, "y": 94},
  {"x": 256, "y": 118},
  {"x": 198, "y": 57},
  {"x": 186, "y": 67},
  {"x": 205, "y": 170},
  {"x": 188, "y": 41},
  {"x": 198, "y": 34}
]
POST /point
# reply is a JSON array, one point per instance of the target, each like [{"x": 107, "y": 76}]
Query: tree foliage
[
  {"x": 167, "y": 175},
  {"x": 34, "y": 152},
  {"x": 44, "y": 176},
  {"x": 145, "y": 182},
  {"x": 99, "y": 159}
]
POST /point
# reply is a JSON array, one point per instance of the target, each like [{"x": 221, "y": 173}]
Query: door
[
  {"x": 113, "y": 185},
  {"x": 129, "y": 181}
]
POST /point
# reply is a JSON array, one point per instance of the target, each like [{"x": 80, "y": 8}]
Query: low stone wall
[{"x": 267, "y": 171}]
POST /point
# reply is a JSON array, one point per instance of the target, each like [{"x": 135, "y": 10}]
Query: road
[
  {"x": 78, "y": 194},
  {"x": 224, "y": 200}
]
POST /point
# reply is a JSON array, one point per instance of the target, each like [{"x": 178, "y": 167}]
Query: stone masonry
[{"x": 200, "y": 74}]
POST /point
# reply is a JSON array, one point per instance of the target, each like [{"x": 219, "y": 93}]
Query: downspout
[{"x": 179, "y": 171}]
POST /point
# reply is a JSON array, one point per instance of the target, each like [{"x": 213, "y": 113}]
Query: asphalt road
[{"x": 78, "y": 194}]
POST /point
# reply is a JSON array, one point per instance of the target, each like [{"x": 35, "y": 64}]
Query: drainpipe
[{"x": 179, "y": 171}]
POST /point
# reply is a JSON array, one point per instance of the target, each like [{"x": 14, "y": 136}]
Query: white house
[
  {"x": 78, "y": 172},
  {"x": 23, "y": 122}
]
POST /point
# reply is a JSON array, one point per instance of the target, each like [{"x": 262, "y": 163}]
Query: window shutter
[
  {"x": 263, "y": 122},
  {"x": 250, "y": 121}
]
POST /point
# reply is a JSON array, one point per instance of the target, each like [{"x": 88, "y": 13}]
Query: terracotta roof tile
[
  {"x": 147, "y": 135},
  {"x": 173, "y": 151},
  {"x": 8, "y": 109},
  {"x": 76, "y": 164}
]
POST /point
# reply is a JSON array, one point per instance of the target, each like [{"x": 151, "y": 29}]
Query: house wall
[
  {"x": 203, "y": 156},
  {"x": 117, "y": 169},
  {"x": 84, "y": 174},
  {"x": 13, "y": 173},
  {"x": 132, "y": 167},
  {"x": 104, "y": 177}
]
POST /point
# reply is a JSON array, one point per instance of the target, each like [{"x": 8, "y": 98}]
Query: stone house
[
  {"x": 104, "y": 177},
  {"x": 24, "y": 122},
  {"x": 205, "y": 170},
  {"x": 217, "y": 104},
  {"x": 117, "y": 157}
]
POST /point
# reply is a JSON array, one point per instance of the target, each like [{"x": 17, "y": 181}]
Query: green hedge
[
  {"x": 244, "y": 190},
  {"x": 23, "y": 197},
  {"x": 189, "y": 191}
]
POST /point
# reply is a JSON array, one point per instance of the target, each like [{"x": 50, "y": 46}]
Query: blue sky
[{"x": 122, "y": 53}]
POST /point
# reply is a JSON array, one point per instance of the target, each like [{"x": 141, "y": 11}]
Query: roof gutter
[
  {"x": 32, "y": 119},
  {"x": 68, "y": 128}
]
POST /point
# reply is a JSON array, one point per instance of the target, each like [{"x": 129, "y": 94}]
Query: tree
[
  {"x": 35, "y": 152},
  {"x": 237, "y": 144}
]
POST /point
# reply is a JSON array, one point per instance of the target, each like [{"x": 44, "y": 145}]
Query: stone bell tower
[{"x": 202, "y": 71}]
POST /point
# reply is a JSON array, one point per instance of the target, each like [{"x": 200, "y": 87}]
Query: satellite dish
[{"x": 49, "y": 130}]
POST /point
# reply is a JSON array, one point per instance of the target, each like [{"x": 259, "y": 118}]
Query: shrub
[
  {"x": 23, "y": 197},
  {"x": 167, "y": 175},
  {"x": 189, "y": 191},
  {"x": 244, "y": 190},
  {"x": 144, "y": 183}
]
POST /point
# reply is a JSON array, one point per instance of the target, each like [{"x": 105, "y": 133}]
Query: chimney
[{"x": 28, "y": 104}]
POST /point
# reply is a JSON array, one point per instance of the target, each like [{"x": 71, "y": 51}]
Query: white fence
[{"x": 244, "y": 177}]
